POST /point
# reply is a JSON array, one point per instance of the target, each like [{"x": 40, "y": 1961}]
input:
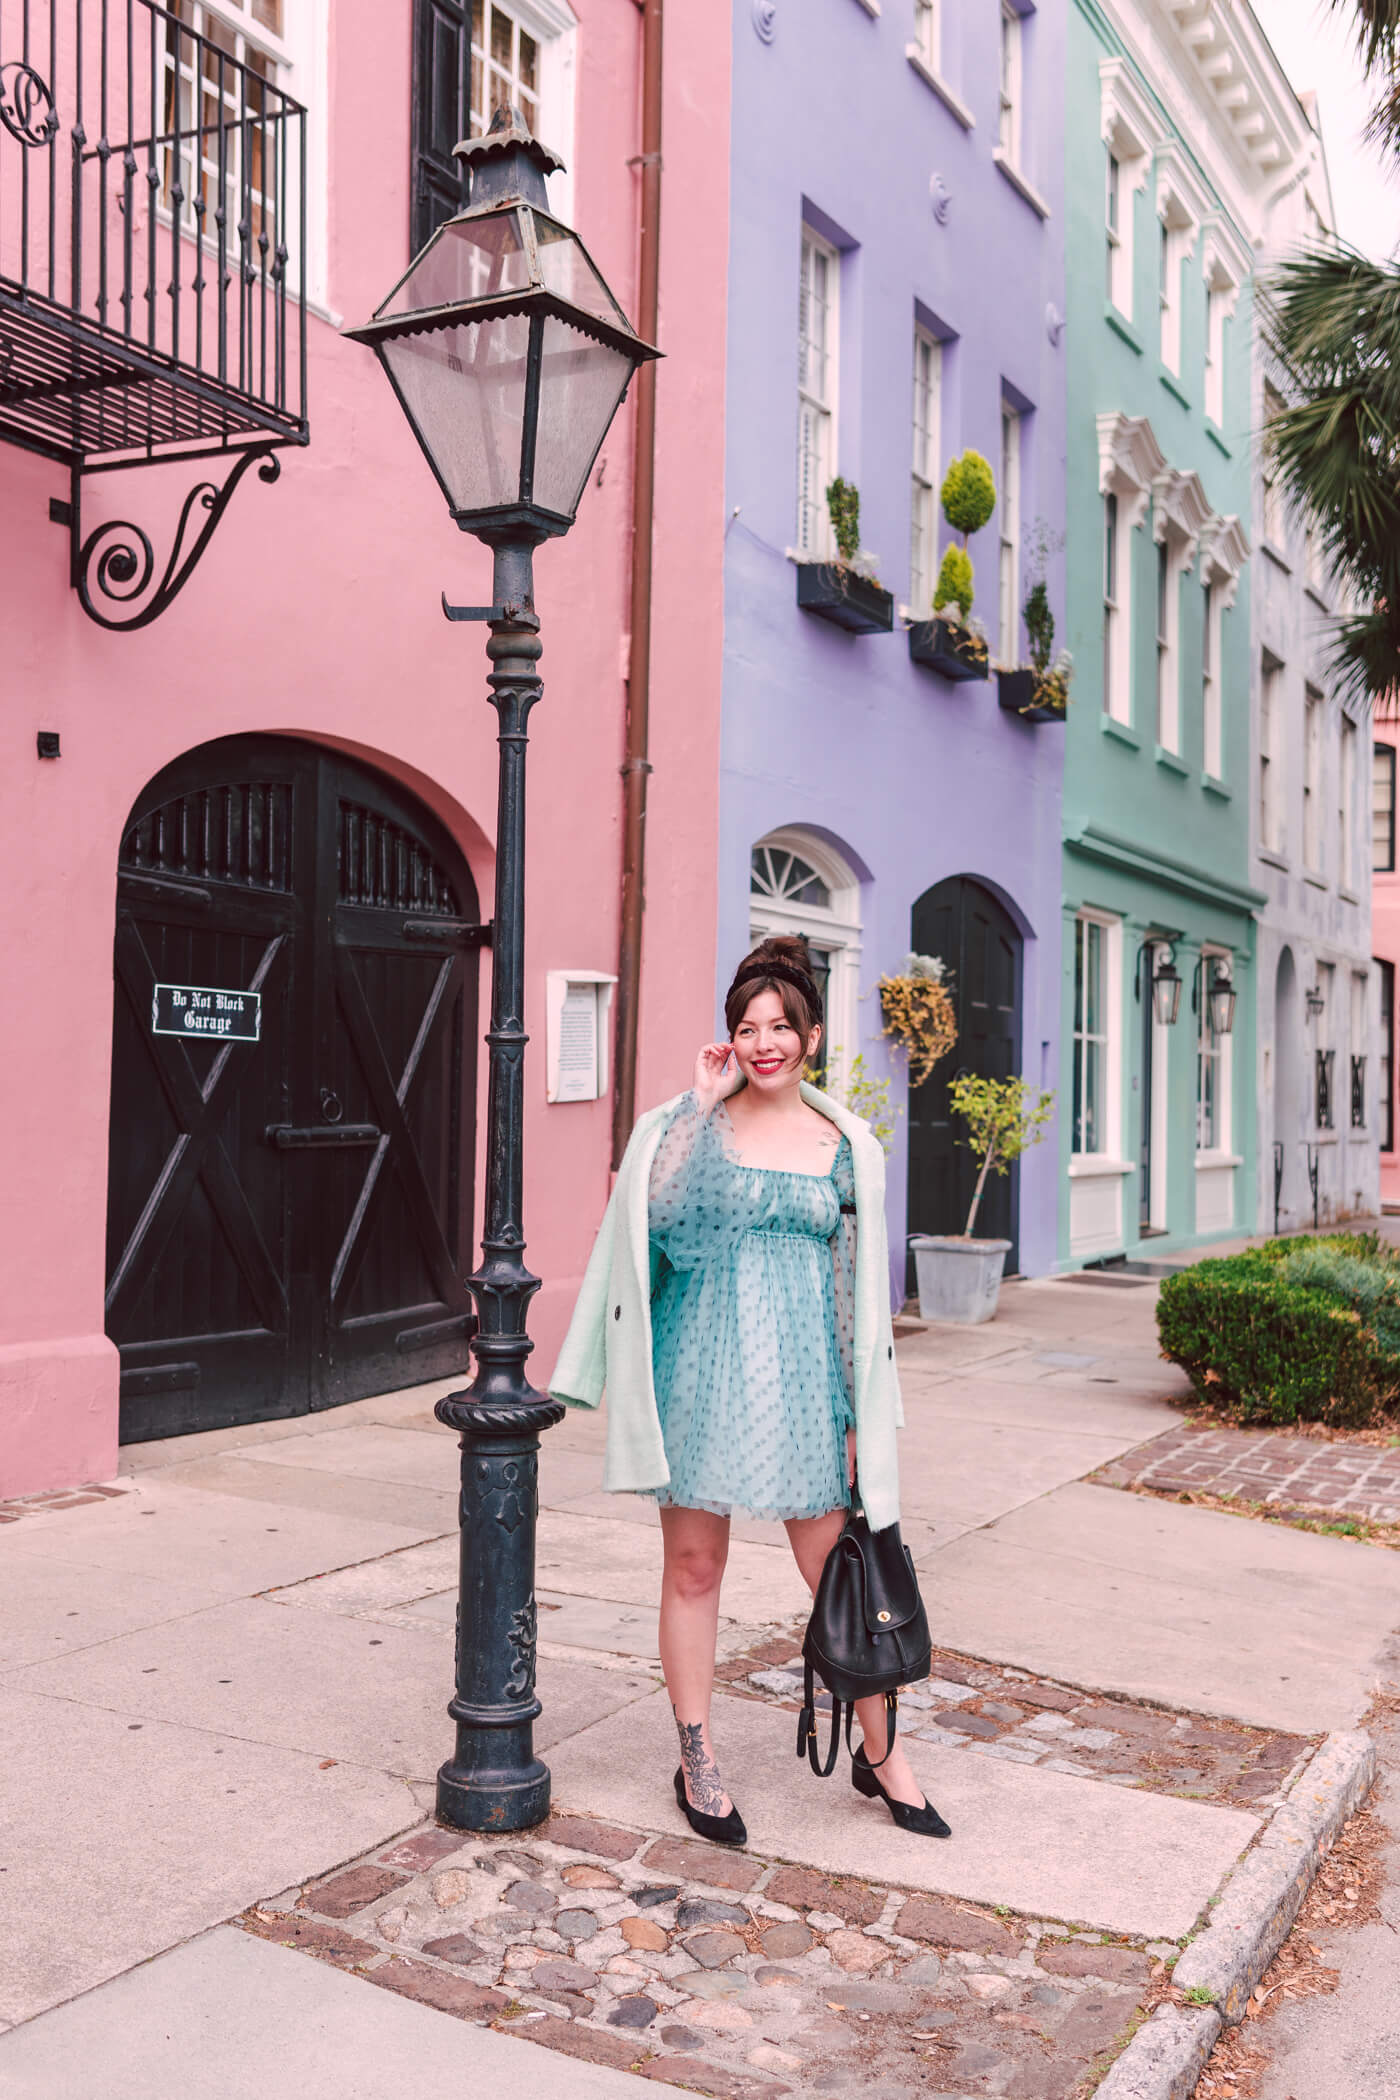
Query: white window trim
[
  {"x": 1348, "y": 801},
  {"x": 1314, "y": 779},
  {"x": 1011, "y": 87},
  {"x": 1009, "y": 543},
  {"x": 1130, "y": 461},
  {"x": 1220, "y": 1154},
  {"x": 1109, "y": 1159},
  {"x": 1132, "y": 133},
  {"x": 1224, "y": 267},
  {"x": 1181, "y": 206},
  {"x": 1270, "y": 783},
  {"x": 1212, "y": 708},
  {"x": 1161, "y": 1095},
  {"x": 823, "y": 546},
  {"x": 302, "y": 57},
  {"x": 923, "y": 486},
  {"x": 837, "y": 929},
  {"x": 1180, "y": 514},
  {"x": 1273, "y": 522}
]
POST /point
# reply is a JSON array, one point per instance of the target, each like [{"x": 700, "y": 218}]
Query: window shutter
[{"x": 441, "y": 71}]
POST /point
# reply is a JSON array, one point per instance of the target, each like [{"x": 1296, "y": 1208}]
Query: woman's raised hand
[{"x": 716, "y": 1074}]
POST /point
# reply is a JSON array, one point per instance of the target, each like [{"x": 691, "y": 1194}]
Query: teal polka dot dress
[{"x": 752, "y": 1323}]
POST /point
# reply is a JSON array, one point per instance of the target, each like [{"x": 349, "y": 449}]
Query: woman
[{"x": 736, "y": 1307}]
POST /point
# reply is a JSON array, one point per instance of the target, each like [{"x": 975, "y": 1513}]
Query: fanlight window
[{"x": 785, "y": 878}]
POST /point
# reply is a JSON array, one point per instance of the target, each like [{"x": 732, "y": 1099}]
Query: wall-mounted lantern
[
  {"x": 1220, "y": 995},
  {"x": 1316, "y": 1003},
  {"x": 1166, "y": 981}
]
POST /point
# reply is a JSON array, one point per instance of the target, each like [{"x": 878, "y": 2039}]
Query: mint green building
[{"x": 1175, "y": 138}]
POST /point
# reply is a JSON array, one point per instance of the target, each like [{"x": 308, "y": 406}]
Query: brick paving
[
  {"x": 724, "y": 1973},
  {"x": 1270, "y": 1466},
  {"x": 989, "y": 1711},
  {"x": 57, "y": 1498}
]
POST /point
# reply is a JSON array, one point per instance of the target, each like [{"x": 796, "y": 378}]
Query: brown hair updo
[{"x": 783, "y": 965}]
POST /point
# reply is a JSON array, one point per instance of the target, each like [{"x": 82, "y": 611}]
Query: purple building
[{"x": 896, "y": 296}]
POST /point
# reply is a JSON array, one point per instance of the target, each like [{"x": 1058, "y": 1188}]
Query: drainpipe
[{"x": 635, "y": 763}]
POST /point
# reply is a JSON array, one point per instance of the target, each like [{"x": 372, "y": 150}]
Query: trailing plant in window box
[
  {"x": 1299, "y": 1330},
  {"x": 1038, "y": 691},
  {"x": 846, "y": 591},
  {"x": 917, "y": 1005}
]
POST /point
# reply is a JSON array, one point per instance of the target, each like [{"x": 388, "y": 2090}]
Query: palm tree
[{"x": 1333, "y": 320}]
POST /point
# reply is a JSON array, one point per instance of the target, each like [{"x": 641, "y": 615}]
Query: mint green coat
[{"x": 608, "y": 1344}]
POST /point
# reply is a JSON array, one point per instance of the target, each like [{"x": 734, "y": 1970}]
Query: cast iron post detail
[{"x": 494, "y": 1781}]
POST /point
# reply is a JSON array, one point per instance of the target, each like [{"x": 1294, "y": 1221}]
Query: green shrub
[
  {"x": 954, "y": 586},
  {"x": 969, "y": 494},
  {"x": 1298, "y": 1330}
]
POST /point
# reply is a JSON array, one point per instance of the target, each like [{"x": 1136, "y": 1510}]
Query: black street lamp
[
  {"x": 510, "y": 358},
  {"x": 1166, "y": 980}
]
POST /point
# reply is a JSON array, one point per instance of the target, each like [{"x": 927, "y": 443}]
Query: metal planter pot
[
  {"x": 845, "y": 597},
  {"x": 948, "y": 649},
  {"x": 959, "y": 1279}
]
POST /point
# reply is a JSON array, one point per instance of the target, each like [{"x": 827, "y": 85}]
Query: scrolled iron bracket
[{"x": 117, "y": 560}]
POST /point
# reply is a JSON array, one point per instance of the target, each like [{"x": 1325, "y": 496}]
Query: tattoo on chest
[{"x": 702, "y": 1780}]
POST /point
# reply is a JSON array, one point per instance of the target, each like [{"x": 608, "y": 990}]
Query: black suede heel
[
  {"x": 925, "y": 1821},
  {"x": 719, "y": 1830}
]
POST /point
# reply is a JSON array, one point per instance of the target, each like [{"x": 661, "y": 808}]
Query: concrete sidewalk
[{"x": 230, "y": 1678}]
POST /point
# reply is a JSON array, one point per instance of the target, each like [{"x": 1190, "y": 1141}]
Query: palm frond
[
  {"x": 1377, "y": 31},
  {"x": 1365, "y": 657}
]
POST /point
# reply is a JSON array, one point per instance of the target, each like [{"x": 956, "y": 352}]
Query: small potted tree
[
  {"x": 959, "y": 1276},
  {"x": 953, "y": 642},
  {"x": 846, "y": 591},
  {"x": 1038, "y": 691}
]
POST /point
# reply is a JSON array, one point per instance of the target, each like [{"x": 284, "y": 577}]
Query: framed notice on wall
[{"x": 578, "y": 1005}]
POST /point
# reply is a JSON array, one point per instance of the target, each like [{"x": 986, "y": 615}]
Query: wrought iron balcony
[{"x": 152, "y": 262}]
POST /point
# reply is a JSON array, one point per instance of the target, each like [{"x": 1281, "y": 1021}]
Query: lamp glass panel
[
  {"x": 566, "y": 270},
  {"x": 1222, "y": 1007},
  {"x": 581, "y": 384},
  {"x": 464, "y": 390},
  {"x": 1166, "y": 997},
  {"x": 465, "y": 259}
]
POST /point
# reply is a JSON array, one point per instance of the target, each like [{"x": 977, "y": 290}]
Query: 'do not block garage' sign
[{"x": 191, "y": 1009}]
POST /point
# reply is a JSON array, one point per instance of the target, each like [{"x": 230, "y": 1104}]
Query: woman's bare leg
[
  {"x": 811, "y": 1539},
  {"x": 695, "y": 1545}
]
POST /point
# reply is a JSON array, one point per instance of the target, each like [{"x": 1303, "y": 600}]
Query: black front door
[
  {"x": 963, "y": 923},
  {"x": 288, "y": 1218}
]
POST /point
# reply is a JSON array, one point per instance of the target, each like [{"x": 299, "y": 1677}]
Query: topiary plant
[
  {"x": 954, "y": 586},
  {"x": 969, "y": 493},
  {"x": 843, "y": 506},
  {"x": 969, "y": 496}
]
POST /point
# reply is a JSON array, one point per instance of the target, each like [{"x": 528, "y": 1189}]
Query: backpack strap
[
  {"x": 807, "y": 1728},
  {"x": 891, "y": 1728}
]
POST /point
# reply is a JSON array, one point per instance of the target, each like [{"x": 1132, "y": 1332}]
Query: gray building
[{"x": 1319, "y": 1103}]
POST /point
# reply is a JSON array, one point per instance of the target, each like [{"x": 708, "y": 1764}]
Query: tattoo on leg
[{"x": 702, "y": 1780}]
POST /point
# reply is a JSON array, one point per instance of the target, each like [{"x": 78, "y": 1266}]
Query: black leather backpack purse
[{"x": 868, "y": 1633}]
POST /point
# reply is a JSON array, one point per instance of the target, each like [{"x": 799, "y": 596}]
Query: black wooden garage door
[{"x": 289, "y": 1220}]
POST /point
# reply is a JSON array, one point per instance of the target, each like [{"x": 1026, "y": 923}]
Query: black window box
[
  {"x": 1017, "y": 691},
  {"x": 947, "y": 649},
  {"x": 845, "y": 597}
]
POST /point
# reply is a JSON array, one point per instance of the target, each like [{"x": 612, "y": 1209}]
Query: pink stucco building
[
  {"x": 1385, "y": 936},
  {"x": 265, "y": 1227}
]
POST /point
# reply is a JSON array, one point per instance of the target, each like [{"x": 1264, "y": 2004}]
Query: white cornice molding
[
  {"x": 1224, "y": 552},
  {"x": 1180, "y": 511},
  {"x": 1128, "y": 124},
  {"x": 1238, "y": 76},
  {"x": 1130, "y": 461},
  {"x": 1226, "y": 261},
  {"x": 1181, "y": 200}
]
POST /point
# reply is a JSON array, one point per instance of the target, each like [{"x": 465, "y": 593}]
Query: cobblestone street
[{"x": 1268, "y": 1465}]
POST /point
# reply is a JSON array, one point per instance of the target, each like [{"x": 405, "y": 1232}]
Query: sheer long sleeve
[{"x": 843, "y": 1274}]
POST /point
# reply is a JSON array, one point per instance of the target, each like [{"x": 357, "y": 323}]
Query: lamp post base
[{"x": 517, "y": 1799}]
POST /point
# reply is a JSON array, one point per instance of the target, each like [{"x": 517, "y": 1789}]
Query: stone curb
[
  {"x": 1262, "y": 1898},
  {"x": 1165, "y": 2057},
  {"x": 1248, "y": 1925}
]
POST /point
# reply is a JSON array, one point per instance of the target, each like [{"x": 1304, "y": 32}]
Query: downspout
[{"x": 635, "y": 762}]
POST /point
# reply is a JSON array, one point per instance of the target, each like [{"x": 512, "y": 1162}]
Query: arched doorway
[
  {"x": 1287, "y": 1085},
  {"x": 289, "y": 1209},
  {"x": 961, "y": 921}
]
